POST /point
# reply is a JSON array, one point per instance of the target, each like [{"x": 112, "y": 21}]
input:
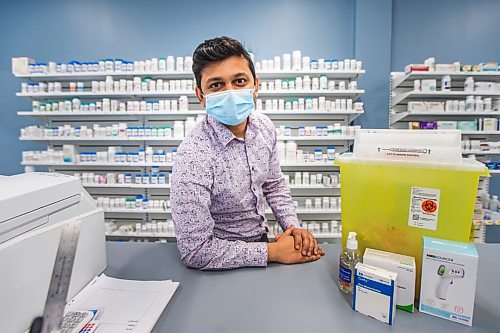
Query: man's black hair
[{"x": 218, "y": 49}]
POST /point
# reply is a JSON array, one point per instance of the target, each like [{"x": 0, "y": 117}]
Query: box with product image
[
  {"x": 375, "y": 292},
  {"x": 428, "y": 125},
  {"x": 448, "y": 284},
  {"x": 404, "y": 266}
]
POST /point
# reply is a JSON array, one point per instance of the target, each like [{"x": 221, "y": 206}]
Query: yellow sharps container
[{"x": 394, "y": 194}]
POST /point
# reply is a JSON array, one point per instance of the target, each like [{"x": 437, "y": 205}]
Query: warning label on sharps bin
[{"x": 424, "y": 208}]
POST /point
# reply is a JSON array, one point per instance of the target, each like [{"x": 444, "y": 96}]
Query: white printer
[{"x": 33, "y": 209}]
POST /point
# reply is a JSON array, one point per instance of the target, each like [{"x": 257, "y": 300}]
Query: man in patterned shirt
[{"x": 225, "y": 169}]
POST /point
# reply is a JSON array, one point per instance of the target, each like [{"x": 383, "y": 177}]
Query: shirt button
[{"x": 253, "y": 168}]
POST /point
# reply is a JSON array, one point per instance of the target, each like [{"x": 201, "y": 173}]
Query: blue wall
[
  {"x": 385, "y": 34},
  {"x": 372, "y": 44},
  {"x": 450, "y": 30}
]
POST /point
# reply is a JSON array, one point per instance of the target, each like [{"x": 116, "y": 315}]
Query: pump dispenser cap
[{"x": 352, "y": 243}]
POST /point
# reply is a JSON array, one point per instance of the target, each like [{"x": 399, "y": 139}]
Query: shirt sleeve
[
  {"x": 278, "y": 194},
  {"x": 190, "y": 198}
]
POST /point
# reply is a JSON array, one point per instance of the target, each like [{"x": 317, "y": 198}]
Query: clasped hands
[{"x": 295, "y": 245}]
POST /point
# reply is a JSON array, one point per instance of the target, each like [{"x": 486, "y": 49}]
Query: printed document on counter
[{"x": 124, "y": 305}]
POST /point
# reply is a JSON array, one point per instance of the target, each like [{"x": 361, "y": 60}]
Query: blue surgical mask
[{"x": 230, "y": 107}]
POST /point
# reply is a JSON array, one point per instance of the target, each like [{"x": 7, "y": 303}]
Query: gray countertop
[{"x": 283, "y": 298}]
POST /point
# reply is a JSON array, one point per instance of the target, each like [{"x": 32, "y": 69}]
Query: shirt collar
[{"x": 225, "y": 135}]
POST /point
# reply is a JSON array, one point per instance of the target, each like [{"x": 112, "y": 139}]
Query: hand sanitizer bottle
[{"x": 348, "y": 259}]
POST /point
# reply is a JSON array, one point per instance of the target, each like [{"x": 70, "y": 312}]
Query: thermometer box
[
  {"x": 375, "y": 292},
  {"x": 448, "y": 284},
  {"x": 401, "y": 264}
]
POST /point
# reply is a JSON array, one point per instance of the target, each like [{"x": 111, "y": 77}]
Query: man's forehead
[{"x": 232, "y": 66}]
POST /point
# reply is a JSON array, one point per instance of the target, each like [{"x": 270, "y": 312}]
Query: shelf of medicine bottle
[
  {"x": 287, "y": 166},
  {"x": 416, "y": 75},
  {"x": 140, "y": 234},
  {"x": 333, "y": 74},
  {"x": 331, "y": 138},
  {"x": 89, "y": 76},
  {"x": 169, "y": 75},
  {"x": 399, "y": 98},
  {"x": 91, "y": 164},
  {"x": 138, "y": 186},
  {"x": 104, "y": 139},
  {"x": 312, "y": 115},
  {"x": 90, "y": 94},
  {"x": 167, "y": 186},
  {"x": 311, "y": 165},
  {"x": 441, "y": 115},
  {"x": 299, "y": 211},
  {"x": 479, "y": 152},
  {"x": 310, "y": 93},
  {"x": 293, "y": 115},
  {"x": 110, "y": 114}
]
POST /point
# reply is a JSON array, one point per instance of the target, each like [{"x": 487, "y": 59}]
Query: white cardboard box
[
  {"x": 404, "y": 266},
  {"x": 448, "y": 284},
  {"x": 375, "y": 292},
  {"x": 490, "y": 124},
  {"x": 417, "y": 106},
  {"x": 428, "y": 85}
]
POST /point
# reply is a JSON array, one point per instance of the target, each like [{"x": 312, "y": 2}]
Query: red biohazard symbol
[{"x": 429, "y": 206}]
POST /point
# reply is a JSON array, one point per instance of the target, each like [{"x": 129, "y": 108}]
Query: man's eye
[
  {"x": 241, "y": 81},
  {"x": 215, "y": 85}
]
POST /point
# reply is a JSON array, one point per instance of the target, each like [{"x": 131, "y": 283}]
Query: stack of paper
[{"x": 124, "y": 305}]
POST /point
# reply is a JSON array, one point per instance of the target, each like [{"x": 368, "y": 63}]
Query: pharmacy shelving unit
[
  {"x": 166, "y": 118},
  {"x": 402, "y": 91}
]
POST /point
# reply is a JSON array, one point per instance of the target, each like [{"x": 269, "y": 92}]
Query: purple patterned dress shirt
[{"x": 219, "y": 183}]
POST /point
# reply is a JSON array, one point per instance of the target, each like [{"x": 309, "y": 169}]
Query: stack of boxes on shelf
[{"x": 116, "y": 124}]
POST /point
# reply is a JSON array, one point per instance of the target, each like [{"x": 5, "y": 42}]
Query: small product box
[
  {"x": 414, "y": 125},
  {"x": 416, "y": 68},
  {"x": 429, "y": 85},
  {"x": 467, "y": 125},
  {"x": 490, "y": 124},
  {"x": 435, "y": 106},
  {"x": 404, "y": 266},
  {"x": 417, "y": 106},
  {"x": 375, "y": 292},
  {"x": 447, "y": 124},
  {"x": 448, "y": 285},
  {"x": 428, "y": 125}
]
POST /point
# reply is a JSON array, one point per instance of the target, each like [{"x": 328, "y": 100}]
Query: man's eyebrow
[
  {"x": 215, "y": 78},
  {"x": 240, "y": 74},
  {"x": 218, "y": 78}
]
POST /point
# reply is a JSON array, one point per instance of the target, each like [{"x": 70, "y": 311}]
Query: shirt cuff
[
  {"x": 289, "y": 221},
  {"x": 257, "y": 254}
]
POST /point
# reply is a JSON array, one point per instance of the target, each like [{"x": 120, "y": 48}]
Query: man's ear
[
  {"x": 256, "y": 88},
  {"x": 200, "y": 96}
]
